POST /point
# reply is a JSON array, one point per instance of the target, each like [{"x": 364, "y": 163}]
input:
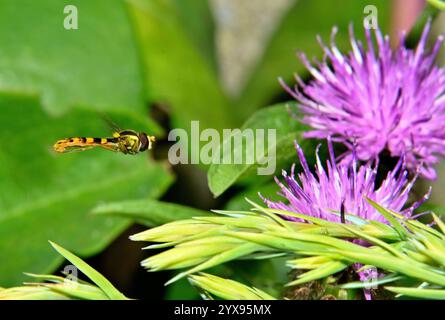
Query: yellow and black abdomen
[{"x": 83, "y": 143}]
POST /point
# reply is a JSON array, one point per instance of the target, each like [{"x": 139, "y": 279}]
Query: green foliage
[
  {"x": 96, "y": 65},
  {"x": 197, "y": 20},
  {"x": 60, "y": 288},
  {"x": 148, "y": 212},
  {"x": 49, "y": 196},
  {"x": 70, "y": 73},
  {"x": 175, "y": 72},
  {"x": 297, "y": 32},
  {"x": 95, "y": 276},
  {"x": 222, "y": 176},
  {"x": 319, "y": 246},
  {"x": 430, "y": 294},
  {"x": 437, "y": 3},
  {"x": 228, "y": 289},
  {"x": 125, "y": 57}
]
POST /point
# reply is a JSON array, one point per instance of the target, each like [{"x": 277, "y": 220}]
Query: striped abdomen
[{"x": 82, "y": 143}]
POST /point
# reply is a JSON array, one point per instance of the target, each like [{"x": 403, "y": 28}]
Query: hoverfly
[{"x": 125, "y": 141}]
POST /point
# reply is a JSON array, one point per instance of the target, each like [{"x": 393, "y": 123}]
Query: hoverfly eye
[{"x": 143, "y": 141}]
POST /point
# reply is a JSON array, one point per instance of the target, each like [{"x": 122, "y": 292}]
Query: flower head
[
  {"x": 344, "y": 188},
  {"x": 385, "y": 100}
]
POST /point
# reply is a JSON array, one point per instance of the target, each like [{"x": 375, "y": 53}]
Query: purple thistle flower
[
  {"x": 344, "y": 188},
  {"x": 390, "y": 100}
]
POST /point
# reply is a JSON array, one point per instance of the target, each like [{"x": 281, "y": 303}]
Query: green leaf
[
  {"x": 222, "y": 176},
  {"x": 439, "y": 223},
  {"x": 375, "y": 282},
  {"x": 193, "y": 252},
  {"x": 197, "y": 19},
  {"x": 276, "y": 242},
  {"x": 31, "y": 293},
  {"x": 174, "y": 231},
  {"x": 382, "y": 244},
  {"x": 419, "y": 293},
  {"x": 175, "y": 72},
  {"x": 228, "y": 255},
  {"x": 297, "y": 32},
  {"x": 80, "y": 291},
  {"x": 321, "y": 272},
  {"x": 405, "y": 266},
  {"x": 391, "y": 219},
  {"x": 209, "y": 241},
  {"x": 45, "y": 195},
  {"x": 60, "y": 288},
  {"x": 228, "y": 289},
  {"x": 95, "y": 276},
  {"x": 439, "y": 4},
  {"x": 96, "y": 65},
  {"x": 149, "y": 212}
]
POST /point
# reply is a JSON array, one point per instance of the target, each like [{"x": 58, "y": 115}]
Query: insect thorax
[{"x": 129, "y": 142}]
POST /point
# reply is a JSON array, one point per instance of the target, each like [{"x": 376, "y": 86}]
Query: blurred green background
[{"x": 150, "y": 65}]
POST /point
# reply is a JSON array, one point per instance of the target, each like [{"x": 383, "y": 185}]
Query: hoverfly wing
[
  {"x": 73, "y": 149},
  {"x": 111, "y": 124}
]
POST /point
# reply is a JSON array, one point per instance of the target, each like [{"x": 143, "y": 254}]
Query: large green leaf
[
  {"x": 149, "y": 212},
  {"x": 91, "y": 273},
  {"x": 95, "y": 65},
  {"x": 53, "y": 287},
  {"x": 175, "y": 71},
  {"x": 222, "y": 176},
  {"x": 44, "y": 195},
  {"x": 297, "y": 32},
  {"x": 197, "y": 19}
]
